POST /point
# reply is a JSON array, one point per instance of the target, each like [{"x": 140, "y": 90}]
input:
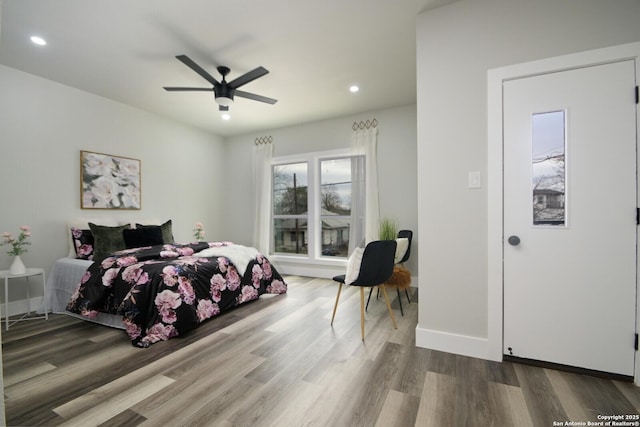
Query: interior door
[{"x": 570, "y": 217}]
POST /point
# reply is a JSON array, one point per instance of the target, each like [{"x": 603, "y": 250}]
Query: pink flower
[
  {"x": 159, "y": 332},
  {"x": 127, "y": 260},
  {"x": 76, "y": 232},
  {"x": 168, "y": 254},
  {"x": 25, "y": 228},
  {"x": 135, "y": 275},
  {"x": 256, "y": 275},
  {"x": 207, "y": 309},
  {"x": 108, "y": 262},
  {"x": 169, "y": 275},
  {"x": 133, "y": 330},
  {"x": 89, "y": 314},
  {"x": 233, "y": 278},
  {"x": 87, "y": 276},
  {"x": 222, "y": 263},
  {"x": 266, "y": 268},
  {"x": 167, "y": 300},
  {"x": 109, "y": 276},
  {"x": 218, "y": 283},
  {"x": 277, "y": 287},
  {"x": 85, "y": 250},
  {"x": 186, "y": 290},
  {"x": 248, "y": 293},
  {"x": 185, "y": 251}
]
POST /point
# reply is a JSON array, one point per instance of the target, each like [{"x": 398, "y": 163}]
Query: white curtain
[
  {"x": 364, "y": 145},
  {"x": 262, "y": 183}
]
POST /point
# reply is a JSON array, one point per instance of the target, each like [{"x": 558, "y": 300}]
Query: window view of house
[
  {"x": 290, "y": 208},
  {"x": 321, "y": 185},
  {"x": 335, "y": 205},
  {"x": 548, "y": 167}
]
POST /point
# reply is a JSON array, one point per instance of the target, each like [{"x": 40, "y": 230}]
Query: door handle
[{"x": 514, "y": 240}]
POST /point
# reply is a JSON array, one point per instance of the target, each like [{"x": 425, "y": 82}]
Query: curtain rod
[
  {"x": 264, "y": 140},
  {"x": 364, "y": 125}
]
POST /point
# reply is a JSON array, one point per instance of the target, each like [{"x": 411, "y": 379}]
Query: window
[
  {"x": 290, "y": 212},
  {"x": 312, "y": 197},
  {"x": 548, "y": 166}
]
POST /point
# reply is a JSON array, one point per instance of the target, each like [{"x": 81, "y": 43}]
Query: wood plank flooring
[{"x": 278, "y": 362}]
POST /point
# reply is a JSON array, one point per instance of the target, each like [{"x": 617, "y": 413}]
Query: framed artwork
[{"x": 109, "y": 182}]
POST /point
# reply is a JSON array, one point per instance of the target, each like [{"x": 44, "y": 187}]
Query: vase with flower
[{"x": 18, "y": 247}]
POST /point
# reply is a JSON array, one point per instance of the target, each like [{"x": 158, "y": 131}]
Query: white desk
[{"x": 4, "y": 274}]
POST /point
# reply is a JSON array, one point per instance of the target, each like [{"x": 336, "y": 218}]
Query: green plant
[{"x": 388, "y": 229}]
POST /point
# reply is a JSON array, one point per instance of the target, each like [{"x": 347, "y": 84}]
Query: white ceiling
[{"x": 125, "y": 50}]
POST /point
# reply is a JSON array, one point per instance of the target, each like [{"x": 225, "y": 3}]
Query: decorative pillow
[
  {"x": 402, "y": 244},
  {"x": 107, "y": 239},
  {"x": 144, "y": 236},
  {"x": 83, "y": 224},
  {"x": 167, "y": 232},
  {"x": 82, "y": 243},
  {"x": 353, "y": 266}
]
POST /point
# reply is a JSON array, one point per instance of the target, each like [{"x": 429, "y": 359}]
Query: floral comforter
[{"x": 164, "y": 291}]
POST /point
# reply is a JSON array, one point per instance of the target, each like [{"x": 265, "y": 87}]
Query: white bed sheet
[{"x": 62, "y": 281}]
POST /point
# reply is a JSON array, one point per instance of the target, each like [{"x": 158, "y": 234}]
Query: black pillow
[
  {"x": 167, "y": 231},
  {"x": 140, "y": 237}
]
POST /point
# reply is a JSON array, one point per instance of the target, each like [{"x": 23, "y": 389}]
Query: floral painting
[{"x": 109, "y": 182}]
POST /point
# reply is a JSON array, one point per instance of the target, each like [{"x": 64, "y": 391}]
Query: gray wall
[
  {"x": 43, "y": 127},
  {"x": 456, "y": 45}
]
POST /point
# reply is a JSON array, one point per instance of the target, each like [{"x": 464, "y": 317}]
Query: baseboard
[
  {"x": 453, "y": 343},
  {"x": 21, "y": 306}
]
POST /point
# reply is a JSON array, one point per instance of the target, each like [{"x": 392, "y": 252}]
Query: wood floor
[{"x": 278, "y": 362}]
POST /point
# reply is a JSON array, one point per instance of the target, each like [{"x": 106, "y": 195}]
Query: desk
[{"x": 4, "y": 274}]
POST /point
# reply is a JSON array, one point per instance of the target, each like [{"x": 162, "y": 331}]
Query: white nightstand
[{"x": 4, "y": 274}]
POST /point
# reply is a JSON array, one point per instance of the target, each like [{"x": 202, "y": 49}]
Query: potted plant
[{"x": 388, "y": 229}]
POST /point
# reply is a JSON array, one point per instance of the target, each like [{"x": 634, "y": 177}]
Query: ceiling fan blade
[
  {"x": 255, "y": 97},
  {"x": 198, "y": 69},
  {"x": 248, "y": 77},
  {"x": 190, "y": 89}
]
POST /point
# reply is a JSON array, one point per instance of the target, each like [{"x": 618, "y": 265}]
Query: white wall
[
  {"x": 456, "y": 45},
  {"x": 396, "y": 168},
  {"x": 43, "y": 127}
]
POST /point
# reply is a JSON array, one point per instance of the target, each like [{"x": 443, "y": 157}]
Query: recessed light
[
  {"x": 226, "y": 116},
  {"x": 354, "y": 89},
  {"x": 38, "y": 40}
]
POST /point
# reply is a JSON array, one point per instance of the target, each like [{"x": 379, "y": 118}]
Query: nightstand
[{"x": 4, "y": 274}]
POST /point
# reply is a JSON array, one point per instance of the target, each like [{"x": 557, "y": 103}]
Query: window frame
[{"x": 314, "y": 228}]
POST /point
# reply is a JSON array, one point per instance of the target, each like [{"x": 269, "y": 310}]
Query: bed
[{"x": 161, "y": 291}]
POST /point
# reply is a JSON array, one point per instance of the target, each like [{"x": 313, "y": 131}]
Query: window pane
[
  {"x": 335, "y": 182},
  {"x": 290, "y": 189},
  {"x": 290, "y": 235},
  {"x": 335, "y": 236},
  {"x": 548, "y": 160}
]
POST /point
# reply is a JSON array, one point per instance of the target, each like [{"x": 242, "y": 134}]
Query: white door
[{"x": 570, "y": 200}]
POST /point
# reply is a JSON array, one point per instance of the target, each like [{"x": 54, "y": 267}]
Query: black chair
[
  {"x": 376, "y": 267},
  {"x": 408, "y": 234}
]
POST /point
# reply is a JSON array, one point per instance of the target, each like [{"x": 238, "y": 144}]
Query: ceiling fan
[{"x": 224, "y": 91}]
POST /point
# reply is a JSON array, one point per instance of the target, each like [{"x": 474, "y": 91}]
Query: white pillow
[
  {"x": 353, "y": 266},
  {"x": 401, "y": 248}
]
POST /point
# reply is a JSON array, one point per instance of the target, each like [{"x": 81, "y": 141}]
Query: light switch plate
[{"x": 475, "y": 179}]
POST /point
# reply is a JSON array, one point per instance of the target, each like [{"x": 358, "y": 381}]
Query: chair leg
[
  {"x": 369, "y": 299},
  {"x": 335, "y": 307},
  {"x": 406, "y": 291},
  {"x": 400, "y": 301},
  {"x": 386, "y": 297},
  {"x": 362, "y": 311}
]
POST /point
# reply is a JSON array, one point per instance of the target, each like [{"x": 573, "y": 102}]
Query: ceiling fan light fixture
[
  {"x": 224, "y": 101},
  {"x": 38, "y": 40}
]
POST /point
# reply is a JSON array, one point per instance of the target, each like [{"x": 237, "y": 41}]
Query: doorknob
[{"x": 514, "y": 240}]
